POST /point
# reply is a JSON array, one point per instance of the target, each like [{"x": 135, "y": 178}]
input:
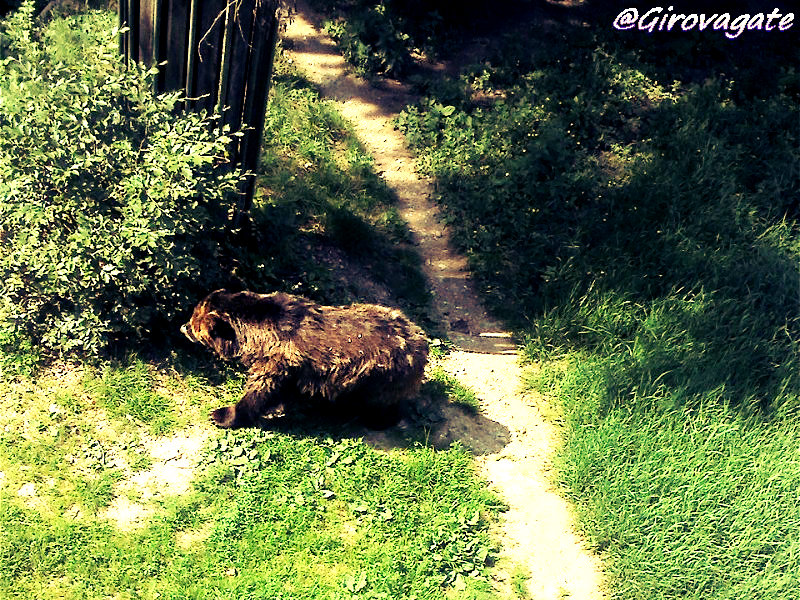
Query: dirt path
[
  {"x": 537, "y": 534},
  {"x": 371, "y": 111}
]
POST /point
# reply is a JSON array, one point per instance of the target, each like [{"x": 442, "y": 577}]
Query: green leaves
[
  {"x": 371, "y": 41},
  {"x": 241, "y": 453},
  {"x": 461, "y": 551},
  {"x": 395, "y": 524},
  {"x": 108, "y": 198}
]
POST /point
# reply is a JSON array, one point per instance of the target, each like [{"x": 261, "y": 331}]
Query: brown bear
[{"x": 293, "y": 346}]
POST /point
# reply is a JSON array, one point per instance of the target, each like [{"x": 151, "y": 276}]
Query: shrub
[
  {"x": 383, "y": 37},
  {"x": 112, "y": 203},
  {"x": 372, "y": 42}
]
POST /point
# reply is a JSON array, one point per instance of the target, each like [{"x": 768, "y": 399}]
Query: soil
[
  {"x": 174, "y": 461},
  {"x": 513, "y": 442}
]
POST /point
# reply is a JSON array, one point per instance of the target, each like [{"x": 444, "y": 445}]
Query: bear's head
[
  {"x": 212, "y": 325},
  {"x": 242, "y": 324}
]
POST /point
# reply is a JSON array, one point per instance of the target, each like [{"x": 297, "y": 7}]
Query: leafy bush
[
  {"x": 371, "y": 42},
  {"x": 381, "y": 37},
  {"x": 111, "y": 203},
  {"x": 375, "y": 37}
]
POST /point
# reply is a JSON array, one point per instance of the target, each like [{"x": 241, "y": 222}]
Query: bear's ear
[
  {"x": 217, "y": 333},
  {"x": 256, "y": 308},
  {"x": 219, "y": 328}
]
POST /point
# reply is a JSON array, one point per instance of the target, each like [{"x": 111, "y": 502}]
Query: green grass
[
  {"x": 691, "y": 503},
  {"x": 441, "y": 382},
  {"x": 644, "y": 236},
  {"x": 268, "y": 513},
  {"x": 129, "y": 392},
  {"x": 519, "y": 583},
  {"x": 294, "y": 513}
]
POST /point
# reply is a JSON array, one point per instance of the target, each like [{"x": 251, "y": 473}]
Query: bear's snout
[{"x": 187, "y": 331}]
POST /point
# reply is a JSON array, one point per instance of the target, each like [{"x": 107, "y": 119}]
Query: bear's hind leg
[
  {"x": 234, "y": 417},
  {"x": 224, "y": 417}
]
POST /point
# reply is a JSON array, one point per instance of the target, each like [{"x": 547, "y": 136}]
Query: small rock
[{"x": 27, "y": 491}]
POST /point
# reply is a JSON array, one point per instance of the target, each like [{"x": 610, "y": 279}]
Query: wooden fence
[{"x": 219, "y": 54}]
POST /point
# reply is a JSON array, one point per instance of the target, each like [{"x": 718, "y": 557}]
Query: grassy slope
[
  {"x": 645, "y": 236},
  {"x": 294, "y": 514},
  {"x": 304, "y": 516}
]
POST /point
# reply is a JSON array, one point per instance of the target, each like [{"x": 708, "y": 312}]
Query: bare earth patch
[
  {"x": 537, "y": 534},
  {"x": 175, "y": 459}
]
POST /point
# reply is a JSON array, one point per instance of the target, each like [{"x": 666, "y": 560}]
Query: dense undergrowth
[
  {"x": 112, "y": 207},
  {"x": 386, "y": 37},
  {"x": 644, "y": 234}
]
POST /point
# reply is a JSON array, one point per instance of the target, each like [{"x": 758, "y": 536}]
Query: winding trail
[{"x": 537, "y": 533}]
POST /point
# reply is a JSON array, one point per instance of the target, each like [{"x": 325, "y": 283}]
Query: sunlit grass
[
  {"x": 453, "y": 389},
  {"x": 710, "y": 502},
  {"x": 266, "y": 513}
]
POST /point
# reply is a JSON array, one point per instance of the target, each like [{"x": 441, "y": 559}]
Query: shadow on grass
[
  {"x": 653, "y": 225},
  {"x": 324, "y": 223},
  {"x": 437, "y": 417},
  {"x": 431, "y": 419}
]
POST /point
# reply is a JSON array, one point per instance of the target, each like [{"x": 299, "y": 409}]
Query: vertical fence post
[{"x": 219, "y": 54}]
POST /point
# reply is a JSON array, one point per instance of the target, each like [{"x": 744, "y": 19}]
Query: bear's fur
[{"x": 293, "y": 346}]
